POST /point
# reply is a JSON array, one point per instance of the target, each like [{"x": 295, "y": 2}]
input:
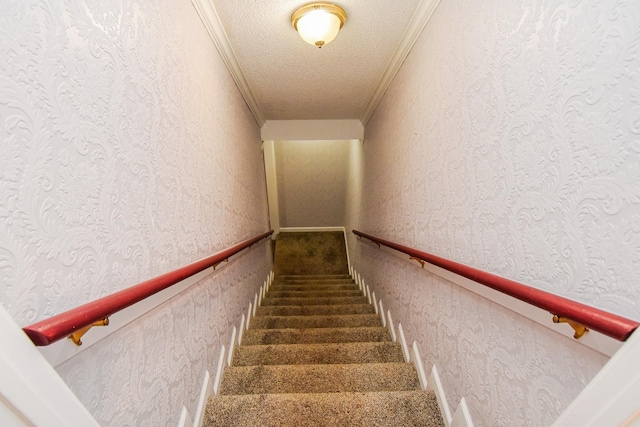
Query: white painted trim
[
  {"x": 435, "y": 384},
  {"x": 382, "y": 316},
  {"x": 232, "y": 344},
  {"x": 462, "y": 416},
  {"x": 305, "y": 130},
  {"x": 375, "y": 305},
  {"x": 260, "y": 294},
  {"x": 205, "y": 393},
  {"x": 403, "y": 343},
  {"x": 249, "y": 315},
  {"x": 346, "y": 247},
  {"x": 417, "y": 362},
  {"x": 241, "y": 330},
  {"x": 418, "y": 22},
  {"x": 611, "y": 398},
  {"x": 185, "y": 419},
  {"x": 255, "y": 305},
  {"x": 219, "y": 372},
  {"x": 30, "y": 389},
  {"x": 368, "y": 294},
  {"x": 271, "y": 177},
  {"x": 391, "y": 328},
  {"x": 594, "y": 340},
  {"x": 212, "y": 23},
  {"x": 309, "y": 229}
]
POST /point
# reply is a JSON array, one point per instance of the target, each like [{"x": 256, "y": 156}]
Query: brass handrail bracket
[
  {"x": 77, "y": 335},
  {"x": 218, "y": 263},
  {"x": 421, "y": 261},
  {"x": 578, "y": 327}
]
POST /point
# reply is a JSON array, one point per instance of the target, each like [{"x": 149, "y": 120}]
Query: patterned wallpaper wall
[
  {"x": 312, "y": 182},
  {"x": 127, "y": 151},
  {"x": 510, "y": 141}
]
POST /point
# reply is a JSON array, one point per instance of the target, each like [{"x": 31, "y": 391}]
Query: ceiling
[{"x": 283, "y": 78}]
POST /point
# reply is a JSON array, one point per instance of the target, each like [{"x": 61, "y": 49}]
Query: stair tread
[
  {"x": 315, "y": 335},
  {"x": 314, "y": 353},
  {"x": 314, "y": 286},
  {"x": 382, "y": 408},
  {"x": 315, "y": 301},
  {"x": 312, "y": 293},
  {"x": 319, "y": 378},
  {"x": 312, "y": 310},
  {"x": 315, "y": 321}
]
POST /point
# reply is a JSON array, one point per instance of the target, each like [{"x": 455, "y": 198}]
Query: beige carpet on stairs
[{"x": 316, "y": 353}]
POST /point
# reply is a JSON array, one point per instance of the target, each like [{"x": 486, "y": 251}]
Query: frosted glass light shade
[{"x": 318, "y": 23}]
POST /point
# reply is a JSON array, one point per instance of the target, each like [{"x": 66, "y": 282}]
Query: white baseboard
[
  {"x": 417, "y": 362},
  {"x": 403, "y": 343},
  {"x": 219, "y": 372},
  {"x": 185, "y": 419},
  {"x": 435, "y": 385},
  {"x": 462, "y": 416},
  {"x": 205, "y": 393},
  {"x": 231, "y": 346}
]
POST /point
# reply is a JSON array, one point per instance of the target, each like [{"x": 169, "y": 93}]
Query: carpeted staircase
[{"x": 316, "y": 353}]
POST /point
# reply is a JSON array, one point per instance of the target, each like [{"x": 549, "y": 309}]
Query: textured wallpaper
[
  {"x": 509, "y": 141},
  {"x": 126, "y": 151},
  {"x": 312, "y": 182}
]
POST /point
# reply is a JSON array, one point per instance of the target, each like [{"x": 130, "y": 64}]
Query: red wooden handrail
[
  {"x": 610, "y": 324},
  {"x": 61, "y": 325}
]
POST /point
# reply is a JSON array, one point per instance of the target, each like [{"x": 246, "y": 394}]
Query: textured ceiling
[{"x": 292, "y": 80}]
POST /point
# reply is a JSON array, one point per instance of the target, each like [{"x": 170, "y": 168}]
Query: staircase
[{"x": 316, "y": 354}]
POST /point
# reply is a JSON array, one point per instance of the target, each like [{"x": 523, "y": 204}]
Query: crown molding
[
  {"x": 212, "y": 23},
  {"x": 419, "y": 20}
]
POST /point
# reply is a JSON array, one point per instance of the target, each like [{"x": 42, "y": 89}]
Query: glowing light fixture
[{"x": 318, "y": 23}]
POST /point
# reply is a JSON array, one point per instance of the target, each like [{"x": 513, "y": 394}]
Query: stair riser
[
  {"x": 338, "y": 321},
  {"x": 314, "y": 287},
  {"x": 313, "y": 336},
  {"x": 320, "y": 378},
  {"x": 395, "y": 408},
  {"x": 314, "y": 301},
  {"x": 313, "y": 294},
  {"x": 318, "y": 354},
  {"x": 314, "y": 282},
  {"x": 313, "y": 310}
]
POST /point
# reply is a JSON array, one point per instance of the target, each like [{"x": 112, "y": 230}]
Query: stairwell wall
[
  {"x": 127, "y": 151},
  {"x": 508, "y": 141}
]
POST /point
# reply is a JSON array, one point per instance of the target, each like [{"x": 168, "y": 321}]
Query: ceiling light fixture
[{"x": 318, "y": 23}]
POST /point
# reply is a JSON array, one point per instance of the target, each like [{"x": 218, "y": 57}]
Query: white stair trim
[
  {"x": 403, "y": 343},
  {"x": 185, "y": 419},
  {"x": 417, "y": 362},
  {"x": 462, "y": 416},
  {"x": 219, "y": 371},
  {"x": 205, "y": 393},
  {"x": 435, "y": 385},
  {"x": 231, "y": 346},
  {"x": 391, "y": 328},
  {"x": 241, "y": 330}
]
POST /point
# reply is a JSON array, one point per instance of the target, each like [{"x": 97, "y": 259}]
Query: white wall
[
  {"x": 312, "y": 182},
  {"x": 508, "y": 141},
  {"x": 127, "y": 151}
]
